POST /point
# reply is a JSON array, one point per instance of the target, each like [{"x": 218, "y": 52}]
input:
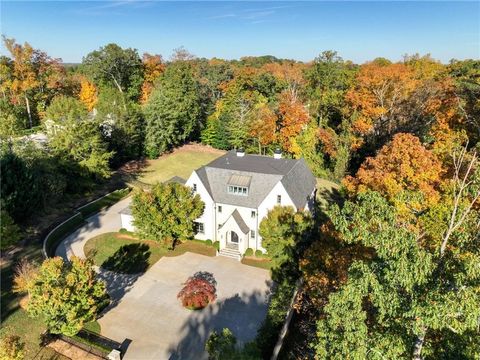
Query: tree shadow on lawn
[
  {"x": 242, "y": 314},
  {"x": 129, "y": 259}
]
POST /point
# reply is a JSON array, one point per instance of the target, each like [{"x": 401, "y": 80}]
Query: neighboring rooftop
[{"x": 260, "y": 174}]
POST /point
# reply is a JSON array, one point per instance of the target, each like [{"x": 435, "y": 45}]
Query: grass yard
[
  {"x": 195, "y": 246},
  {"x": 123, "y": 253},
  {"x": 181, "y": 162},
  {"x": 327, "y": 192}
]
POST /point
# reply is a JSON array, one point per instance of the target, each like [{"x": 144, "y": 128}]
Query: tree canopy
[{"x": 166, "y": 213}]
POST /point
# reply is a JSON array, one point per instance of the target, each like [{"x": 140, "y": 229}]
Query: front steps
[{"x": 231, "y": 253}]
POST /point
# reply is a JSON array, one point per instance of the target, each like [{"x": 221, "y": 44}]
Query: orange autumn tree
[
  {"x": 24, "y": 74},
  {"x": 403, "y": 171},
  {"x": 153, "y": 67},
  {"x": 289, "y": 72},
  {"x": 448, "y": 129},
  {"x": 88, "y": 94},
  {"x": 293, "y": 117},
  {"x": 263, "y": 127},
  {"x": 380, "y": 89}
]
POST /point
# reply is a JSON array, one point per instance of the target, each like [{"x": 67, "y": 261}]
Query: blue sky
[{"x": 359, "y": 31}]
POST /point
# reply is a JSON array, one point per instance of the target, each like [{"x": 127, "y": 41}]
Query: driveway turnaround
[
  {"x": 145, "y": 313},
  {"x": 152, "y": 319}
]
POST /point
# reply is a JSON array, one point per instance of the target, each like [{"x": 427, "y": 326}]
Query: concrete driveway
[
  {"x": 107, "y": 220},
  {"x": 150, "y": 315},
  {"x": 145, "y": 310}
]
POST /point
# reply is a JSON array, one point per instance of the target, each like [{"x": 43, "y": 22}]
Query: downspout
[{"x": 256, "y": 233}]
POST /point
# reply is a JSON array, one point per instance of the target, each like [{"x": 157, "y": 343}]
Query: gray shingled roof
[
  {"x": 241, "y": 224},
  {"x": 265, "y": 173}
]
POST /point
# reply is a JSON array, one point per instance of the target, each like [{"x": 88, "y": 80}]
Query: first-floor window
[
  {"x": 252, "y": 234},
  {"x": 200, "y": 229}
]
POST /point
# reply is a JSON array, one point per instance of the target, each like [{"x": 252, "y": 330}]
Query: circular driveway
[{"x": 145, "y": 312}]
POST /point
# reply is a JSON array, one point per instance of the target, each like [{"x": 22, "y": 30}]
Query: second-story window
[
  {"x": 195, "y": 187},
  {"x": 219, "y": 209},
  {"x": 279, "y": 199},
  {"x": 253, "y": 214}
]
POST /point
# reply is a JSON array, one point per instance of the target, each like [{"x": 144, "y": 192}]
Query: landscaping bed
[{"x": 260, "y": 262}]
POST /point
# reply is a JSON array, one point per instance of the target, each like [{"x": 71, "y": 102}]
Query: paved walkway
[{"x": 145, "y": 311}]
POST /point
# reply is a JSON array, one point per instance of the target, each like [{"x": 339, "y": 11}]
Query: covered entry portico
[{"x": 233, "y": 234}]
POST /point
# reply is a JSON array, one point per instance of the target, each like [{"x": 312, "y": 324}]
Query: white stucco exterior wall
[
  {"x": 246, "y": 214},
  {"x": 127, "y": 222},
  {"x": 207, "y": 218},
  {"x": 212, "y": 218}
]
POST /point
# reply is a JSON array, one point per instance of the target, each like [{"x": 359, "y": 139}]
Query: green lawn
[
  {"x": 194, "y": 246},
  {"x": 180, "y": 162},
  {"x": 327, "y": 192},
  {"x": 122, "y": 252}
]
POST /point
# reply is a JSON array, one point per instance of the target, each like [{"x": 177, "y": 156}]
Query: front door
[{"x": 233, "y": 241}]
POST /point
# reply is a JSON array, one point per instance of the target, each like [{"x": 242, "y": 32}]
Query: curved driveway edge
[{"x": 107, "y": 220}]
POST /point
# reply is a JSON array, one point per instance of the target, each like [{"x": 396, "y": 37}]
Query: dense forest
[{"x": 391, "y": 273}]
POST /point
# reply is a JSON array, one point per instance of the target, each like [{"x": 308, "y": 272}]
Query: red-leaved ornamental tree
[{"x": 198, "y": 291}]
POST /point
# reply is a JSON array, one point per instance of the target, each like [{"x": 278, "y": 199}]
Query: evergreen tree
[{"x": 173, "y": 110}]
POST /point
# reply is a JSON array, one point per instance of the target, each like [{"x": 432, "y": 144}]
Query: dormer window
[
  {"x": 238, "y": 184},
  {"x": 238, "y": 190}
]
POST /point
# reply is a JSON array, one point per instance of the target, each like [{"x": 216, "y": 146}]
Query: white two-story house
[{"x": 238, "y": 191}]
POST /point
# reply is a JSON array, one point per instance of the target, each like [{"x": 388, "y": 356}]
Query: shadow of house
[{"x": 242, "y": 314}]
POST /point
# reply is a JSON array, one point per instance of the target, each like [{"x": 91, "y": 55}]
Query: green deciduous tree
[
  {"x": 12, "y": 348},
  {"x": 123, "y": 127},
  {"x": 221, "y": 345},
  {"x": 407, "y": 300},
  {"x": 173, "y": 111},
  {"x": 66, "y": 108},
  {"x": 66, "y": 294},
  {"x": 81, "y": 147},
  {"x": 282, "y": 230},
  {"x": 20, "y": 189},
  {"x": 166, "y": 213},
  {"x": 113, "y": 66},
  {"x": 9, "y": 231}
]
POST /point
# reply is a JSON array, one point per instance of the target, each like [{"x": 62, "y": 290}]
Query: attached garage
[{"x": 127, "y": 219}]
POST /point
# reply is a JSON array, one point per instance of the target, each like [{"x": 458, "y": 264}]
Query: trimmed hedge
[
  {"x": 216, "y": 245},
  {"x": 259, "y": 253},
  {"x": 104, "y": 202},
  {"x": 249, "y": 252},
  {"x": 54, "y": 238},
  {"x": 209, "y": 242}
]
